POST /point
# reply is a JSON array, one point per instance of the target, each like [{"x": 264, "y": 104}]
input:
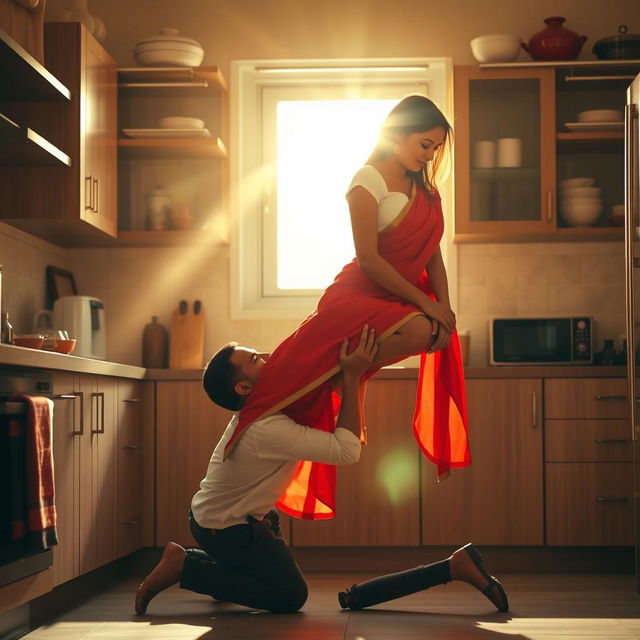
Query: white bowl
[
  {"x": 577, "y": 182},
  {"x": 601, "y": 115},
  {"x": 580, "y": 214},
  {"x": 587, "y": 202},
  {"x": 580, "y": 192},
  {"x": 169, "y": 57},
  {"x": 181, "y": 122},
  {"x": 163, "y": 46},
  {"x": 496, "y": 48}
]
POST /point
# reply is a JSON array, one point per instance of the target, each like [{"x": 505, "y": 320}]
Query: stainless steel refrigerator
[{"x": 632, "y": 260}]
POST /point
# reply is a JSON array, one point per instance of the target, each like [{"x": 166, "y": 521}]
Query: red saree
[{"x": 296, "y": 378}]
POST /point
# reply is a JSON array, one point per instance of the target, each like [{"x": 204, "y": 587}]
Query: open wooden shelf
[
  {"x": 24, "y": 79},
  {"x": 170, "y": 81},
  {"x": 561, "y": 234},
  {"x": 172, "y": 148},
  {"x": 24, "y": 147},
  {"x": 590, "y": 141}
]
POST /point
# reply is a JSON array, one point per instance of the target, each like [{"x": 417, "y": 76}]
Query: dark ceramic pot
[
  {"x": 555, "y": 42},
  {"x": 625, "y": 46}
]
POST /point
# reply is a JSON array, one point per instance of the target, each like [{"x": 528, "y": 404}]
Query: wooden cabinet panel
[
  {"x": 498, "y": 499},
  {"x": 131, "y": 451},
  {"x": 188, "y": 426},
  {"x": 67, "y": 416},
  {"x": 587, "y": 441},
  {"x": 589, "y": 503},
  {"x": 585, "y": 398},
  {"x": 377, "y": 501}
]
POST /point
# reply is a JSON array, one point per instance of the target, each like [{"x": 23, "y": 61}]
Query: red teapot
[{"x": 555, "y": 42}]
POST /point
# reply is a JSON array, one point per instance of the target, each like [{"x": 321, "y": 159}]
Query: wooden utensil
[{"x": 187, "y": 336}]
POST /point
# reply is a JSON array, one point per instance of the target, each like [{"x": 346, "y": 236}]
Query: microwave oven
[{"x": 548, "y": 340}]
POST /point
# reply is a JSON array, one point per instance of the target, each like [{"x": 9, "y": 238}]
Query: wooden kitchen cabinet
[
  {"x": 377, "y": 499},
  {"x": 85, "y": 473},
  {"x": 498, "y": 499},
  {"x": 75, "y": 205},
  {"x": 131, "y": 453},
  {"x": 188, "y": 427},
  {"x": 504, "y": 103},
  {"x": 588, "y": 462}
]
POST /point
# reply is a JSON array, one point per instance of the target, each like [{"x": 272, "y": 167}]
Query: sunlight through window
[{"x": 320, "y": 145}]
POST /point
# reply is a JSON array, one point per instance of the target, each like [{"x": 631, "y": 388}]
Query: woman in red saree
[{"x": 397, "y": 285}]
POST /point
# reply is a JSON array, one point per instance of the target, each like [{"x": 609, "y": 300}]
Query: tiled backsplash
[{"x": 519, "y": 280}]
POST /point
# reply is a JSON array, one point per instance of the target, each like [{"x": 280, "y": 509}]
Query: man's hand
[{"x": 361, "y": 358}]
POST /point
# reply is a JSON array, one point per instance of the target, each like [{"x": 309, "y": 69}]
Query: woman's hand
[
  {"x": 440, "y": 313},
  {"x": 442, "y": 339}
]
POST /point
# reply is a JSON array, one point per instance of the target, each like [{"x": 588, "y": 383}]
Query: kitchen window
[{"x": 299, "y": 131}]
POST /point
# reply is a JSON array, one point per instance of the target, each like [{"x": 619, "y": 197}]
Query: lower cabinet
[
  {"x": 498, "y": 499},
  {"x": 90, "y": 493},
  {"x": 377, "y": 499},
  {"x": 188, "y": 427}
]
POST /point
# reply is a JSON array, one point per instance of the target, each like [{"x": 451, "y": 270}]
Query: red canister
[{"x": 555, "y": 42}]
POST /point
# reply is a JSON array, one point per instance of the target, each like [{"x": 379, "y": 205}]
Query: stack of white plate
[
  {"x": 168, "y": 48},
  {"x": 597, "y": 120},
  {"x": 580, "y": 202}
]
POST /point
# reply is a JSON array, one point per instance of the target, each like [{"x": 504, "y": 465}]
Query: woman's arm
[{"x": 364, "y": 225}]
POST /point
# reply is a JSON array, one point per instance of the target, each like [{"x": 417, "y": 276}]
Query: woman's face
[{"x": 417, "y": 149}]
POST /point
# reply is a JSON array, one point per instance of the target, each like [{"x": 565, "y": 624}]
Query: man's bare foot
[
  {"x": 465, "y": 564},
  {"x": 166, "y": 573}
]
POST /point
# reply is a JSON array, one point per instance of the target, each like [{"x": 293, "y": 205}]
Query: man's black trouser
[{"x": 249, "y": 564}]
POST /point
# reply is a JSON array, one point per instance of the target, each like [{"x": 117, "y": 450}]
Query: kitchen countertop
[
  {"x": 12, "y": 356},
  {"x": 408, "y": 373}
]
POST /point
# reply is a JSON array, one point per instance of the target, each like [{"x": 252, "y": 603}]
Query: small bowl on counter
[{"x": 29, "y": 340}]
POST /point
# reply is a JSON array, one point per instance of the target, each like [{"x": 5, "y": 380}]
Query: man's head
[{"x": 231, "y": 375}]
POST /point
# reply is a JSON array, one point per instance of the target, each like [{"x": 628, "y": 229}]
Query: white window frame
[{"x": 251, "y": 296}]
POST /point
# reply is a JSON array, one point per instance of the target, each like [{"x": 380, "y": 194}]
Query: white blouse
[{"x": 390, "y": 203}]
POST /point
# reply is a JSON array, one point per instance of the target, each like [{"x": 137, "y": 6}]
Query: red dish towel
[{"x": 38, "y": 522}]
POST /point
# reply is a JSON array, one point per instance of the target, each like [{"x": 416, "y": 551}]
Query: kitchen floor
[{"x": 549, "y": 606}]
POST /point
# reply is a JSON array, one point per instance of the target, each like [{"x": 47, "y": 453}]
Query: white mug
[
  {"x": 484, "y": 154},
  {"x": 509, "y": 152}
]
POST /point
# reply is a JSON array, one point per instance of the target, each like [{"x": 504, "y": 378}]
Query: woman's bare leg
[{"x": 411, "y": 338}]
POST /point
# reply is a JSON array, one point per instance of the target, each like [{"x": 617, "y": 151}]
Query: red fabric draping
[{"x": 297, "y": 377}]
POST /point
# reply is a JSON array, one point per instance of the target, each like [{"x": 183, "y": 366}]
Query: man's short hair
[{"x": 220, "y": 377}]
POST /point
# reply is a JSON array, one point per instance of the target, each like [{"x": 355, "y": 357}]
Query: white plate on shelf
[
  {"x": 594, "y": 126},
  {"x": 166, "y": 133}
]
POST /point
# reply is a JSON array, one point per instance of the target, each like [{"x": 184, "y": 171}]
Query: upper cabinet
[
  {"x": 173, "y": 169},
  {"x": 77, "y": 204},
  {"x": 521, "y": 133}
]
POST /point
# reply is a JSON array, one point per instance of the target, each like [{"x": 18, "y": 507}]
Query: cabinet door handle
[
  {"x": 74, "y": 397},
  {"x": 94, "y": 205},
  {"x": 88, "y": 191},
  {"x": 549, "y": 206},
  {"x": 130, "y": 522},
  {"x": 603, "y": 499},
  {"x": 99, "y": 405},
  {"x": 131, "y": 446},
  {"x": 534, "y": 411},
  {"x": 132, "y": 400},
  {"x": 611, "y": 440},
  {"x": 601, "y": 396}
]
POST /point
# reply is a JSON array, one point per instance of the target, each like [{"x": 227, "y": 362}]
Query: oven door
[{"x": 530, "y": 341}]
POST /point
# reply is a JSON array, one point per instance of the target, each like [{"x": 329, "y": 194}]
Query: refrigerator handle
[{"x": 631, "y": 226}]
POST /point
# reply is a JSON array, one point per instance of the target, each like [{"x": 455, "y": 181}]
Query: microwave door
[{"x": 632, "y": 277}]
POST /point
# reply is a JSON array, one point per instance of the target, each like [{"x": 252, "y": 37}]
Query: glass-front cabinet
[{"x": 504, "y": 152}]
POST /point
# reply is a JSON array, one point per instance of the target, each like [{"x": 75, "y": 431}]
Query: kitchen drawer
[
  {"x": 585, "y": 398},
  {"x": 587, "y": 441},
  {"x": 589, "y": 503}
]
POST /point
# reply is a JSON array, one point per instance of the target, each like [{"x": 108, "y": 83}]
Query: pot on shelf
[
  {"x": 555, "y": 42},
  {"x": 624, "y": 46}
]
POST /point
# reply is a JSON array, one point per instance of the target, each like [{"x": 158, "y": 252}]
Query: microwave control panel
[{"x": 581, "y": 343}]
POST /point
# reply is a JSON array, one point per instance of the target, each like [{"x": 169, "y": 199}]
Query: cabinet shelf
[
  {"x": 24, "y": 79},
  {"x": 505, "y": 174},
  {"x": 172, "y": 148},
  {"x": 588, "y": 141},
  {"x": 24, "y": 147},
  {"x": 171, "y": 81}
]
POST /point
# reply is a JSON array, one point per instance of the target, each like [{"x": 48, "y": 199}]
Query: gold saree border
[
  {"x": 403, "y": 212},
  {"x": 312, "y": 385}
]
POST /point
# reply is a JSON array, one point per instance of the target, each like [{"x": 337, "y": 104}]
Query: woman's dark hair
[
  {"x": 220, "y": 377},
  {"x": 415, "y": 114}
]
